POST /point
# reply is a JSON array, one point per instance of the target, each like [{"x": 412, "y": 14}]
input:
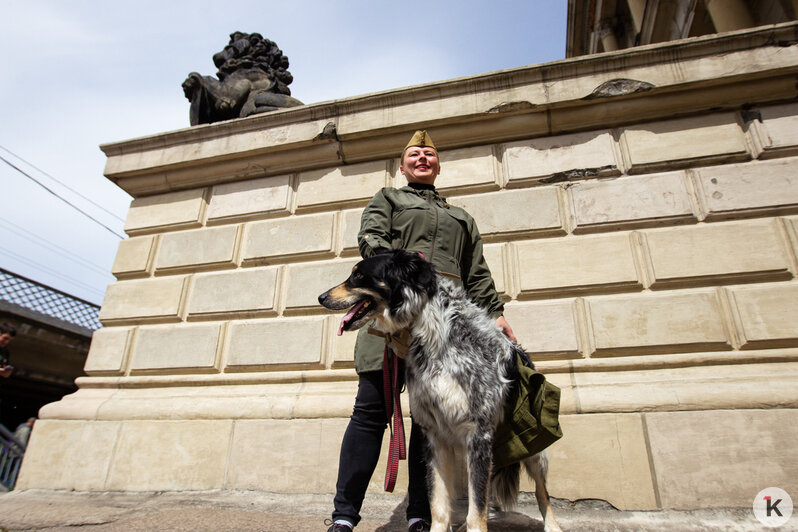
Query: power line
[
  {"x": 87, "y": 215},
  {"x": 52, "y": 246},
  {"x": 52, "y": 272},
  {"x": 61, "y": 183}
]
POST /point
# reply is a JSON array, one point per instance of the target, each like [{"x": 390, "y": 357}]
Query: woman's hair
[{"x": 7, "y": 328}]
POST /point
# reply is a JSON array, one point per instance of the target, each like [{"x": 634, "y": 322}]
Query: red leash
[{"x": 393, "y": 406}]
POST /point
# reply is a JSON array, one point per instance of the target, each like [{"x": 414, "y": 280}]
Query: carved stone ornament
[{"x": 253, "y": 78}]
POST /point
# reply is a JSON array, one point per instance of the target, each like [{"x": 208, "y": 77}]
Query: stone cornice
[{"x": 726, "y": 71}]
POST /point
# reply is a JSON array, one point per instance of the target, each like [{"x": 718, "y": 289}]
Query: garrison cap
[{"x": 420, "y": 138}]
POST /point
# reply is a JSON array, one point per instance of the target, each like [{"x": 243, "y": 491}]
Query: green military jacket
[{"x": 419, "y": 219}]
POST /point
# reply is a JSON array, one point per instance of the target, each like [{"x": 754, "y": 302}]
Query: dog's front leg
[
  {"x": 441, "y": 484},
  {"x": 480, "y": 463}
]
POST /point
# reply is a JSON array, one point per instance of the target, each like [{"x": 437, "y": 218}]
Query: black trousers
[{"x": 360, "y": 451}]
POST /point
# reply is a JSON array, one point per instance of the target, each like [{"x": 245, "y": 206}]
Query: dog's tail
[{"x": 505, "y": 486}]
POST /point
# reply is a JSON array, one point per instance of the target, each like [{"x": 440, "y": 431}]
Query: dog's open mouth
[{"x": 355, "y": 314}]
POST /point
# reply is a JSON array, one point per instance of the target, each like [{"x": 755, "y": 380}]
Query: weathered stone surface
[
  {"x": 311, "y": 234},
  {"x": 494, "y": 256},
  {"x": 70, "y": 455},
  {"x": 305, "y": 282},
  {"x": 174, "y": 210},
  {"x": 616, "y": 458},
  {"x": 715, "y": 253},
  {"x": 754, "y": 188},
  {"x": 254, "y": 344},
  {"x": 108, "y": 351},
  {"x": 584, "y": 263},
  {"x": 466, "y": 168},
  {"x": 630, "y": 202},
  {"x": 781, "y": 126},
  {"x": 523, "y": 212},
  {"x": 589, "y": 154},
  {"x": 546, "y": 329},
  {"x": 175, "y": 467},
  {"x": 250, "y": 199},
  {"x": 250, "y": 291},
  {"x": 645, "y": 323},
  {"x": 342, "y": 184},
  {"x": 176, "y": 348},
  {"x": 134, "y": 257},
  {"x": 198, "y": 249},
  {"x": 700, "y": 138},
  {"x": 150, "y": 299},
  {"x": 766, "y": 314},
  {"x": 350, "y": 225},
  {"x": 746, "y": 454}
]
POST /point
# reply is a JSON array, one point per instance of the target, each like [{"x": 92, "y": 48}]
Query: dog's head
[{"x": 392, "y": 286}]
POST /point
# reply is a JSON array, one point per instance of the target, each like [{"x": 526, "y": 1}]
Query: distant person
[
  {"x": 23, "y": 430},
  {"x": 7, "y": 333}
]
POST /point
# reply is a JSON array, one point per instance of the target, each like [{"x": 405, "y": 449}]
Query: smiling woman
[{"x": 414, "y": 218}]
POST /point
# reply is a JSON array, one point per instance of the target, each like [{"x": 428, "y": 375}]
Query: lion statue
[{"x": 253, "y": 78}]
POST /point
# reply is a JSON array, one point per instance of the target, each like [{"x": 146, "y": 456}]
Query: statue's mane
[{"x": 252, "y": 51}]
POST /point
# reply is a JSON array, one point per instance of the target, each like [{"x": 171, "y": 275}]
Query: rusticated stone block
[
  {"x": 577, "y": 264},
  {"x": 546, "y": 329},
  {"x": 700, "y": 138},
  {"x": 522, "y": 212},
  {"x": 754, "y": 188},
  {"x": 251, "y": 291},
  {"x": 713, "y": 253},
  {"x": 198, "y": 249},
  {"x": 343, "y": 347},
  {"x": 305, "y": 282},
  {"x": 765, "y": 315},
  {"x": 630, "y": 202},
  {"x": 781, "y": 126},
  {"x": 174, "y": 466},
  {"x": 342, "y": 184},
  {"x": 134, "y": 257},
  {"x": 308, "y": 235},
  {"x": 494, "y": 256},
  {"x": 646, "y": 323},
  {"x": 616, "y": 457},
  {"x": 254, "y": 198},
  {"x": 108, "y": 351},
  {"x": 176, "y": 348},
  {"x": 174, "y": 210},
  {"x": 150, "y": 299},
  {"x": 350, "y": 226},
  {"x": 69, "y": 455},
  {"x": 744, "y": 455},
  {"x": 259, "y": 344},
  {"x": 576, "y": 155}
]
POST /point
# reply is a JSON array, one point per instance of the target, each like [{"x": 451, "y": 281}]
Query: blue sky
[{"x": 77, "y": 74}]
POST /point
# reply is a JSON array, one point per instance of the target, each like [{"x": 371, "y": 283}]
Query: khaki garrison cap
[{"x": 420, "y": 138}]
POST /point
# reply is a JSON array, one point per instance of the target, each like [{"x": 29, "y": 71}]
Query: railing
[{"x": 10, "y": 458}]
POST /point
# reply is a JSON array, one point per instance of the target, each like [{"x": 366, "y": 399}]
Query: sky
[{"x": 75, "y": 74}]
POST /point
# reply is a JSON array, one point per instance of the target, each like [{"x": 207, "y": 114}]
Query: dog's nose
[{"x": 322, "y": 298}]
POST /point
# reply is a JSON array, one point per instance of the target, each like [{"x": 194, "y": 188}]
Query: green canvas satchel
[{"x": 531, "y": 419}]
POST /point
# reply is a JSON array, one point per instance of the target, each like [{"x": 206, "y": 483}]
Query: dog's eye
[{"x": 358, "y": 275}]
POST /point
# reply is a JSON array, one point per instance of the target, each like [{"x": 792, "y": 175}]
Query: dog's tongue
[{"x": 349, "y": 315}]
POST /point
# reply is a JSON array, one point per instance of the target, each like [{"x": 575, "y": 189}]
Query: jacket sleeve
[
  {"x": 478, "y": 281},
  {"x": 375, "y": 225}
]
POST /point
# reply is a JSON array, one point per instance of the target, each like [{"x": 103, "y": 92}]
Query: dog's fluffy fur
[{"x": 460, "y": 369}]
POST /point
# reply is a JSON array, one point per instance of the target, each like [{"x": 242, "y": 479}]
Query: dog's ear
[{"x": 409, "y": 268}]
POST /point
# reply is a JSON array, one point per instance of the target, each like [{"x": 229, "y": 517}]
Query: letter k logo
[{"x": 772, "y": 506}]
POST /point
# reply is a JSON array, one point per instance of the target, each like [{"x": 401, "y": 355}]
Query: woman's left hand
[{"x": 502, "y": 324}]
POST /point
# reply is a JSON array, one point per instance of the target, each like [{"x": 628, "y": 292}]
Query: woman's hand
[{"x": 502, "y": 324}]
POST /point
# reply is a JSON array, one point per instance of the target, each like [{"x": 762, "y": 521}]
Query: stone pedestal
[{"x": 645, "y": 243}]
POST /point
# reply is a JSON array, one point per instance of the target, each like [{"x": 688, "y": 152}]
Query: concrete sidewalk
[{"x": 240, "y": 511}]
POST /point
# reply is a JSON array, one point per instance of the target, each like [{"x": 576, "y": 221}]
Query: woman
[{"x": 415, "y": 218}]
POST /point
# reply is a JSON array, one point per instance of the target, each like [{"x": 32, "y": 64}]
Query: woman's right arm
[{"x": 375, "y": 226}]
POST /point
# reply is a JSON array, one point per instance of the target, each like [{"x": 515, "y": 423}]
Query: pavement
[{"x": 241, "y": 511}]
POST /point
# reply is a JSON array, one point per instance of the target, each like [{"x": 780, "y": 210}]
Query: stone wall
[{"x": 645, "y": 243}]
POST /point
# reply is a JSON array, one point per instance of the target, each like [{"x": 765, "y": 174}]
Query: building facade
[{"x": 639, "y": 210}]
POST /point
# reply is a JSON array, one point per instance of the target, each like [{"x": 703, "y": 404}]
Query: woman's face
[{"x": 420, "y": 165}]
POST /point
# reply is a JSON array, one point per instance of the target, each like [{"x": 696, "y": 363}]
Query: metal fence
[{"x": 10, "y": 458}]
